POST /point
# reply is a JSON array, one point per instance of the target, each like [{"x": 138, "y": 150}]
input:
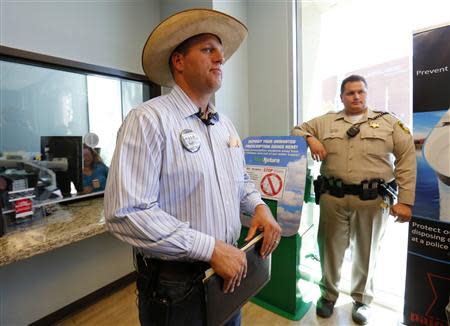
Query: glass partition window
[
  {"x": 40, "y": 108},
  {"x": 36, "y": 102},
  {"x": 132, "y": 95},
  {"x": 105, "y": 113}
]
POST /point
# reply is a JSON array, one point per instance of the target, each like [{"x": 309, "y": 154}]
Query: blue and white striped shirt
[{"x": 167, "y": 201}]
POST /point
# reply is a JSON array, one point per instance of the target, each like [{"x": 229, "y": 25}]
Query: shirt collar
[
  {"x": 367, "y": 114},
  {"x": 187, "y": 107}
]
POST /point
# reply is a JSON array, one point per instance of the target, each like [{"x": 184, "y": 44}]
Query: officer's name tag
[{"x": 190, "y": 140}]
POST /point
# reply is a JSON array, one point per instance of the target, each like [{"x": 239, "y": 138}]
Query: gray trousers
[{"x": 360, "y": 224}]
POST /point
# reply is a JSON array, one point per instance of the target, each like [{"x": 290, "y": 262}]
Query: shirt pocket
[
  {"x": 332, "y": 142},
  {"x": 377, "y": 142}
]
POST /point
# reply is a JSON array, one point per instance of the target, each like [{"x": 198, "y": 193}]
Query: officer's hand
[
  {"x": 264, "y": 221},
  {"x": 402, "y": 212},
  {"x": 318, "y": 151},
  {"x": 230, "y": 263}
]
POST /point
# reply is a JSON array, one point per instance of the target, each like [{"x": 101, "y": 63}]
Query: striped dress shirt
[{"x": 167, "y": 201}]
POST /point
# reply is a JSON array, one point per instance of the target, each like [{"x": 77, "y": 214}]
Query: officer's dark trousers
[{"x": 170, "y": 294}]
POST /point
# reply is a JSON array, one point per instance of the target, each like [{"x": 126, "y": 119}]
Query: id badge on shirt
[{"x": 96, "y": 183}]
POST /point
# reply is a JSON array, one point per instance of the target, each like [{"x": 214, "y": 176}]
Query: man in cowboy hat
[{"x": 177, "y": 180}]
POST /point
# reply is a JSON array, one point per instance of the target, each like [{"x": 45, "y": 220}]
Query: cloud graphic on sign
[
  {"x": 290, "y": 205},
  {"x": 291, "y": 198},
  {"x": 296, "y": 174},
  {"x": 295, "y": 184},
  {"x": 287, "y": 215}
]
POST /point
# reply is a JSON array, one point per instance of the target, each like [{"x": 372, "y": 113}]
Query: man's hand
[
  {"x": 230, "y": 263},
  {"x": 264, "y": 221},
  {"x": 318, "y": 151},
  {"x": 402, "y": 212}
]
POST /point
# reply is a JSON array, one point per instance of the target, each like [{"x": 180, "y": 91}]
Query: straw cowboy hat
[{"x": 178, "y": 28}]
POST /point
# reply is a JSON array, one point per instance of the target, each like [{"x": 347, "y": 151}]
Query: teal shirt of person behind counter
[{"x": 97, "y": 180}]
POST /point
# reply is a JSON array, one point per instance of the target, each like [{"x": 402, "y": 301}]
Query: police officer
[{"x": 356, "y": 146}]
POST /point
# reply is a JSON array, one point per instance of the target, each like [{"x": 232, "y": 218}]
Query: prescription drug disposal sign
[
  {"x": 277, "y": 166},
  {"x": 427, "y": 288}
]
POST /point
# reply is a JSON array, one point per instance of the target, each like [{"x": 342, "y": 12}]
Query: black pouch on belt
[
  {"x": 369, "y": 189},
  {"x": 336, "y": 187}
]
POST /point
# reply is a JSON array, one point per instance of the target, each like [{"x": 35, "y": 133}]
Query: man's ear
[{"x": 177, "y": 61}]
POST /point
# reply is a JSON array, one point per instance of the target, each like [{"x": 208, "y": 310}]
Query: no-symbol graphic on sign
[{"x": 271, "y": 184}]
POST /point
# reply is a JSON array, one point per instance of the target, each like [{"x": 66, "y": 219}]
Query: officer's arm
[
  {"x": 404, "y": 171},
  {"x": 405, "y": 164},
  {"x": 309, "y": 132}
]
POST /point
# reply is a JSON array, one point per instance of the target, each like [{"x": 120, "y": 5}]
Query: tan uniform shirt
[{"x": 368, "y": 155}]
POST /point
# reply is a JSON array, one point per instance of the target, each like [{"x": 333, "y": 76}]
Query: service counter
[
  {"x": 67, "y": 257},
  {"x": 71, "y": 222}
]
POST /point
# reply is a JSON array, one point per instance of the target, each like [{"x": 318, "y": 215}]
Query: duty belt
[{"x": 366, "y": 190}]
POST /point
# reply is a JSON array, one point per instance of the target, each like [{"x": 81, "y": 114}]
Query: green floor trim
[{"x": 303, "y": 309}]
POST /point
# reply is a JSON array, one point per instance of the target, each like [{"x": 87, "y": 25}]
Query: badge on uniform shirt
[
  {"x": 405, "y": 128},
  {"x": 190, "y": 140},
  {"x": 374, "y": 124}
]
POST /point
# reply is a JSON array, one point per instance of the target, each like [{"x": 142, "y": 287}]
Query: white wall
[
  {"x": 232, "y": 98},
  {"x": 170, "y": 7},
  {"x": 270, "y": 67},
  {"x": 105, "y": 33}
]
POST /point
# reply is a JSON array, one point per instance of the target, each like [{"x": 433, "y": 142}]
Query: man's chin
[{"x": 216, "y": 86}]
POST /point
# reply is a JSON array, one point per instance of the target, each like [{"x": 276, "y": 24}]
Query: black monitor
[{"x": 70, "y": 147}]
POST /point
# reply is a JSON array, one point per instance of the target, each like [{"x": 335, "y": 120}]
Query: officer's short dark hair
[{"x": 351, "y": 79}]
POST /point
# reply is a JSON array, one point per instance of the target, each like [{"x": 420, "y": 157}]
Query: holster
[
  {"x": 319, "y": 188},
  {"x": 389, "y": 191}
]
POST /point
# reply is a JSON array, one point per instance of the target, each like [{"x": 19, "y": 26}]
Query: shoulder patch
[{"x": 405, "y": 128}]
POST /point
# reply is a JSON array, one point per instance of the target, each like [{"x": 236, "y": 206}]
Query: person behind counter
[
  {"x": 355, "y": 146},
  {"x": 95, "y": 171}
]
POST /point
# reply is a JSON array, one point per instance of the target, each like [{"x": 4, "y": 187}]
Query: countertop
[{"x": 71, "y": 222}]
